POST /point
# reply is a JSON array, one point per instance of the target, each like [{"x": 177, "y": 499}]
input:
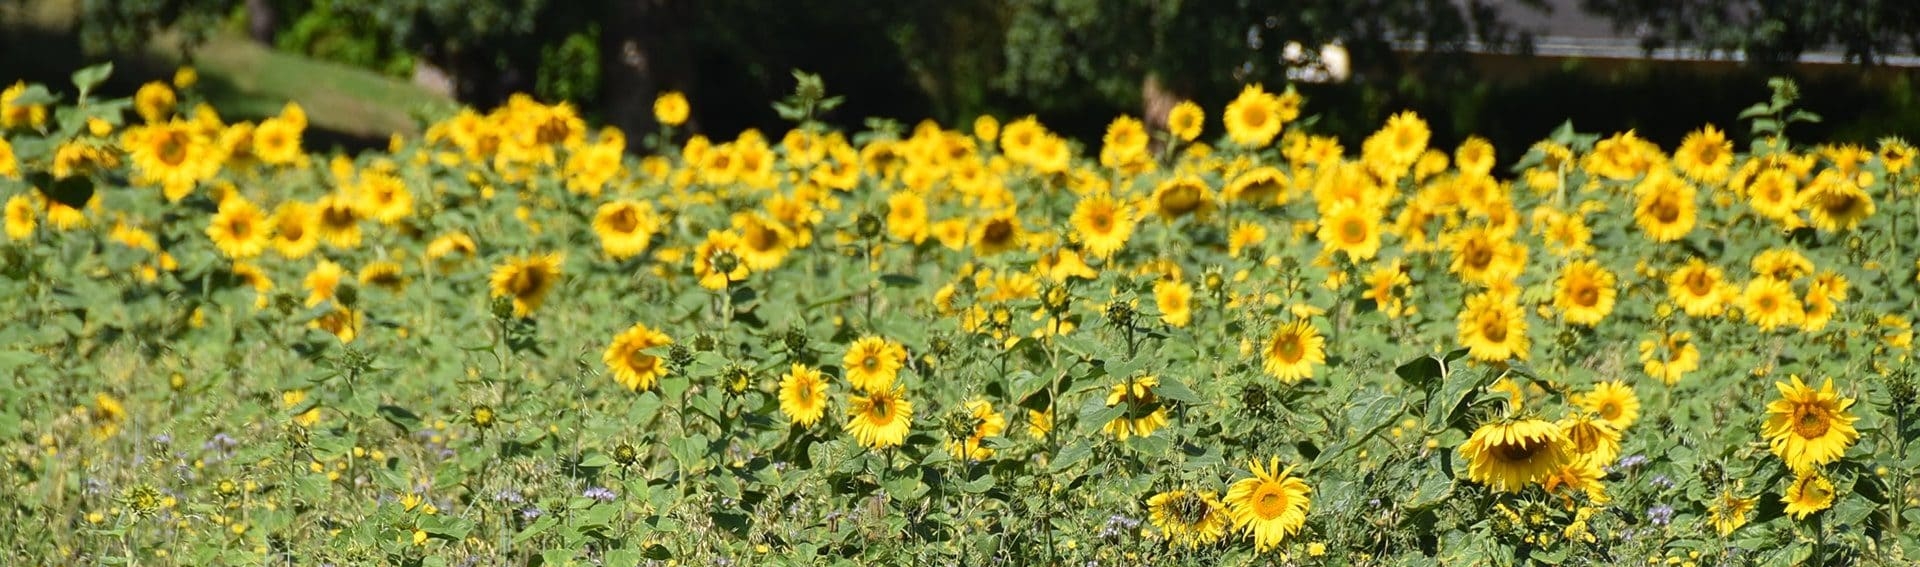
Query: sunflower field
[{"x": 521, "y": 340}]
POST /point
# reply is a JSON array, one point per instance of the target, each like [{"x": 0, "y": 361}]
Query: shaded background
[{"x": 1508, "y": 70}]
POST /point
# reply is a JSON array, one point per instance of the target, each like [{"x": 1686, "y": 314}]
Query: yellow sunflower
[
  {"x": 1293, "y": 350},
  {"x": 526, "y": 279},
  {"x": 1493, "y": 328},
  {"x": 764, "y": 242},
  {"x": 1102, "y": 224},
  {"x": 1591, "y": 440},
  {"x": 1351, "y": 229},
  {"x": 1808, "y": 428},
  {"x": 240, "y": 230},
  {"x": 342, "y": 322},
  {"x": 1271, "y": 505},
  {"x": 323, "y": 281},
  {"x": 293, "y": 230},
  {"x": 968, "y": 435},
  {"x": 1577, "y": 475},
  {"x": 154, "y": 101},
  {"x": 632, "y": 366},
  {"x": 1508, "y": 455},
  {"x": 1145, "y": 414},
  {"x": 1584, "y": 293},
  {"x": 384, "y": 197},
  {"x": 719, "y": 261},
  {"x": 337, "y": 222},
  {"x": 1186, "y": 120},
  {"x": 1124, "y": 143},
  {"x": 1664, "y": 206},
  {"x": 1705, "y": 155},
  {"x": 1775, "y": 194},
  {"x": 671, "y": 108},
  {"x": 1613, "y": 402},
  {"x": 880, "y": 419},
  {"x": 1253, "y": 118},
  {"x": 1810, "y": 492},
  {"x": 1182, "y": 196},
  {"x": 998, "y": 233},
  {"x": 803, "y": 395},
  {"x": 625, "y": 228},
  {"x": 9, "y": 163},
  {"x": 1670, "y": 357},
  {"x": 107, "y": 414},
  {"x": 1698, "y": 288},
  {"x": 20, "y": 217},
  {"x": 1731, "y": 510},
  {"x": 1770, "y": 304},
  {"x": 384, "y": 274},
  {"x": 276, "y": 141},
  {"x": 873, "y": 363},
  {"x": 907, "y": 217},
  {"x": 1175, "y": 300},
  {"x": 1474, "y": 156},
  {"x": 1188, "y": 518},
  {"x": 1259, "y": 186},
  {"x": 1834, "y": 204}
]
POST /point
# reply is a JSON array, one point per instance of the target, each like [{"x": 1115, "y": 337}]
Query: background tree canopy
[{"x": 1077, "y": 63}]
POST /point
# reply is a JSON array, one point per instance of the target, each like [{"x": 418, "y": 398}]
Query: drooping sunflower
[
  {"x": 1351, "y": 229},
  {"x": 632, "y": 366},
  {"x": 1189, "y": 518},
  {"x": 1493, "y": 328},
  {"x": 1175, "y": 300},
  {"x": 719, "y": 261},
  {"x": 1186, "y": 120},
  {"x": 1259, "y": 186},
  {"x": 1182, "y": 196},
  {"x": 384, "y": 274},
  {"x": 337, "y": 222},
  {"x": 1508, "y": 455},
  {"x": 1731, "y": 510},
  {"x": 1584, "y": 293},
  {"x": 1591, "y": 440},
  {"x": 239, "y": 230},
  {"x": 1000, "y": 232},
  {"x": 880, "y": 419},
  {"x": 1102, "y": 224},
  {"x": 526, "y": 279},
  {"x": 1697, "y": 288},
  {"x": 1271, "y": 505},
  {"x": 1253, "y": 118},
  {"x": 803, "y": 395},
  {"x": 1705, "y": 155},
  {"x": 1664, "y": 206},
  {"x": 1145, "y": 414},
  {"x": 968, "y": 433},
  {"x": 1808, "y": 428},
  {"x": 1613, "y": 402},
  {"x": 1770, "y": 304},
  {"x": 1810, "y": 492},
  {"x": 625, "y": 228},
  {"x": 872, "y": 363},
  {"x": 1293, "y": 350}
]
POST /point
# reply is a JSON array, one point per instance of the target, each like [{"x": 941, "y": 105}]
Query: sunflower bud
[
  {"x": 705, "y": 343},
  {"x": 679, "y": 356},
  {"x": 143, "y": 500},
  {"x": 960, "y": 424},
  {"x": 1120, "y": 314},
  {"x": 867, "y": 225},
  {"x": 1057, "y": 300},
  {"x": 177, "y": 382},
  {"x": 625, "y": 455},
  {"x": 502, "y": 308},
  {"x": 738, "y": 378},
  {"x": 725, "y": 262},
  {"x": 482, "y": 416},
  {"x": 1214, "y": 282},
  {"x": 796, "y": 340}
]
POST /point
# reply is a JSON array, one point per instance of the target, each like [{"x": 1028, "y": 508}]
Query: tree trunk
[
  {"x": 644, "y": 51},
  {"x": 262, "y": 20}
]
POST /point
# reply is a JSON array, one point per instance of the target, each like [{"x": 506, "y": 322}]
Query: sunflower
[
  {"x": 1698, "y": 288},
  {"x": 239, "y": 229},
  {"x": 803, "y": 395},
  {"x": 1704, "y": 155},
  {"x": 1175, "y": 300},
  {"x": 1784, "y": 264},
  {"x": 1834, "y": 204},
  {"x": 1808, "y": 428},
  {"x": 384, "y": 197},
  {"x": 1819, "y": 308},
  {"x": 1775, "y": 194},
  {"x": 1404, "y": 138},
  {"x": 276, "y": 141},
  {"x": 19, "y": 115},
  {"x": 1245, "y": 236},
  {"x": 1102, "y": 224},
  {"x": 1185, "y": 120},
  {"x": 671, "y": 108},
  {"x": 526, "y": 279},
  {"x": 323, "y": 281},
  {"x": 9, "y": 163},
  {"x": 1810, "y": 492},
  {"x": 907, "y": 217},
  {"x": 719, "y": 261},
  {"x": 1189, "y": 518},
  {"x": 1770, "y": 304},
  {"x": 998, "y": 233},
  {"x": 1664, "y": 206},
  {"x": 154, "y": 101},
  {"x": 625, "y": 228},
  {"x": 1731, "y": 510},
  {"x": 1613, "y": 402},
  {"x": 872, "y": 363},
  {"x": 337, "y": 222},
  {"x": 20, "y": 217},
  {"x": 881, "y": 418},
  {"x": 1351, "y": 229},
  {"x": 1383, "y": 285},
  {"x": 764, "y": 242},
  {"x": 1509, "y": 455},
  {"x": 1474, "y": 156},
  {"x": 1578, "y": 475},
  {"x": 1485, "y": 256},
  {"x": 342, "y": 322},
  {"x": 384, "y": 274},
  {"x": 1670, "y": 357},
  {"x": 1293, "y": 350},
  {"x": 1145, "y": 414},
  {"x": 1271, "y": 505},
  {"x": 1584, "y": 293},
  {"x": 1260, "y": 186},
  {"x": 1253, "y": 118},
  {"x": 1591, "y": 440},
  {"x": 107, "y": 415},
  {"x": 970, "y": 431},
  {"x": 1125, "y": 142},
  {"x": 1493, "y": 328},
  {"x": 451, "y": 246},
  {"x": 632, "y": 366},
  {"x": 1181, "y": 196}
]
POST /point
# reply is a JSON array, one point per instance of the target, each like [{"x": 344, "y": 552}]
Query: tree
[{"x": 1771, "y": 32}]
